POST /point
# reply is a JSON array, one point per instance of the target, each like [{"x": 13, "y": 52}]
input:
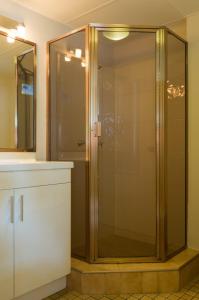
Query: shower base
[{"x": 165, "y": 277}]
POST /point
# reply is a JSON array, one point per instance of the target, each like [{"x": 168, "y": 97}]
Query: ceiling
[{"x": 136, "y": 12}]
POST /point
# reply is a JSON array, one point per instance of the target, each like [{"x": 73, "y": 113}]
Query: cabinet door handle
[
  {"x": 12, "y": 209},
  {"x": 21, "y": 208}
]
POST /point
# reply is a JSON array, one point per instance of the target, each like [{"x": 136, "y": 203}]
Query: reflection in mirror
[{"x": 17, "y": 95}]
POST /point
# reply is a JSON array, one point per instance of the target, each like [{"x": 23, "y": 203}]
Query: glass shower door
[{"x": 127, "y": 206}]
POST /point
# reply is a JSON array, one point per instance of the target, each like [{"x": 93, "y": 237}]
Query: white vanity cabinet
[
  {"x": 6, "y": 245},
  {"x": 34, "y": 226}
]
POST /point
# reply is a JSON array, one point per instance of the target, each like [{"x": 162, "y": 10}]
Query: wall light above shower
[
  {"x": 116, "y": 35},
  {"x": 75, "y": 54},
  {"x": 67, "y": 58},
  {"x": 78, "y": 53}
]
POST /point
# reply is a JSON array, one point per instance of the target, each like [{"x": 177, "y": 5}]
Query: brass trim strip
[
  {"x": 132, "y": 27},
  {"x": 186, "y": 142},
  {"x": 160, "y": 94},
  {"x": 19, "y": 39},
  {"x": 48, "y": 104},
  {"x": 93, "y": 146},
  {"x": 121, "y": 260},
  {"x": 68, "y": 34},
  {"x": 176, "y": 35}
]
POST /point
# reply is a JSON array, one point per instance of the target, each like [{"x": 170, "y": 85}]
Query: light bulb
[
  {"x": 78, "y": 53},
  {"x": 12, "y": 33},
  {"x": 115, "y": 35},
  {"x": 10, "y": 40},
  {"x": 21, "y": 30},
  {"x": 67, "y": 58},
  {"x": 83, "y": 63},
  {"x": 11, "y": 36}
]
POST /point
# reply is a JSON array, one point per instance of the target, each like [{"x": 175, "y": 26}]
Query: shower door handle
[{"x": 97, "y": 129}]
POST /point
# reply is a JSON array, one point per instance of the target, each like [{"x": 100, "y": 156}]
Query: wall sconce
[
  {"x": 21, "y": 30},
  {"x": 11, "y": 36}
]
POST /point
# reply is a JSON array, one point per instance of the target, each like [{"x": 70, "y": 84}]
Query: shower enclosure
[{"x": 117, "y": 108}]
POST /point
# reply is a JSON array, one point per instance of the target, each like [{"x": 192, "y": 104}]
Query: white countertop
[{"x": 26, "y": 164}]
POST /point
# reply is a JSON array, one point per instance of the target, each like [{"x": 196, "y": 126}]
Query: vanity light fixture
[
  {"x": 11, "y": 36},
  {"x": 21, "y": 30},
  {"x": 116, "y": 35},
  {"x": 13, "y": 28},
  {"x": 10, "y": 40},
  {"x": 13, "y": 33}
]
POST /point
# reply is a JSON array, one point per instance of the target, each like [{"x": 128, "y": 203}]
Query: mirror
[{"x": 17, "y": 94}]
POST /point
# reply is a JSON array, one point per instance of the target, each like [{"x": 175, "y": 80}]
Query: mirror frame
[{"x": 33, "y": 149}]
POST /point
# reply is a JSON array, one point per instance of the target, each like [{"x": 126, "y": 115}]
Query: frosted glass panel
[
  {"x": 68, "y": 88},
  {"x": 175, "y": 111},
  {"x": 68, "y": 126},
  {"x": 127, "y": 147}
]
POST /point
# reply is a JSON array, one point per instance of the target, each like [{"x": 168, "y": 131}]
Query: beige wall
[
  {"x": 193, "y": 213},
  {"x": 39, "y": 30}
]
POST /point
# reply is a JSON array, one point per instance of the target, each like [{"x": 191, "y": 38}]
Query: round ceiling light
[{"x": 115, "y": 35}]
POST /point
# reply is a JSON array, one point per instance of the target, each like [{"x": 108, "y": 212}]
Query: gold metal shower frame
[{"x": 92, "y": 103}]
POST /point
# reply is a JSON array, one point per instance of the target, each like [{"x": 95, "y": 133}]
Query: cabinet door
[
  {"x": 42, "y": 236},
  {"x": 6, "y": 244}
]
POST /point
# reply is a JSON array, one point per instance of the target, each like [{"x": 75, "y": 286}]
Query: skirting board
[{"x": 45, "y": 291}]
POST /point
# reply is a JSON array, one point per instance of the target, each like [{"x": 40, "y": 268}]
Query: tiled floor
[{"x": 191, "y": 291}]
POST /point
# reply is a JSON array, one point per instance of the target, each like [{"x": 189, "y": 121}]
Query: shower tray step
[{"x": 164, "y": 277}]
